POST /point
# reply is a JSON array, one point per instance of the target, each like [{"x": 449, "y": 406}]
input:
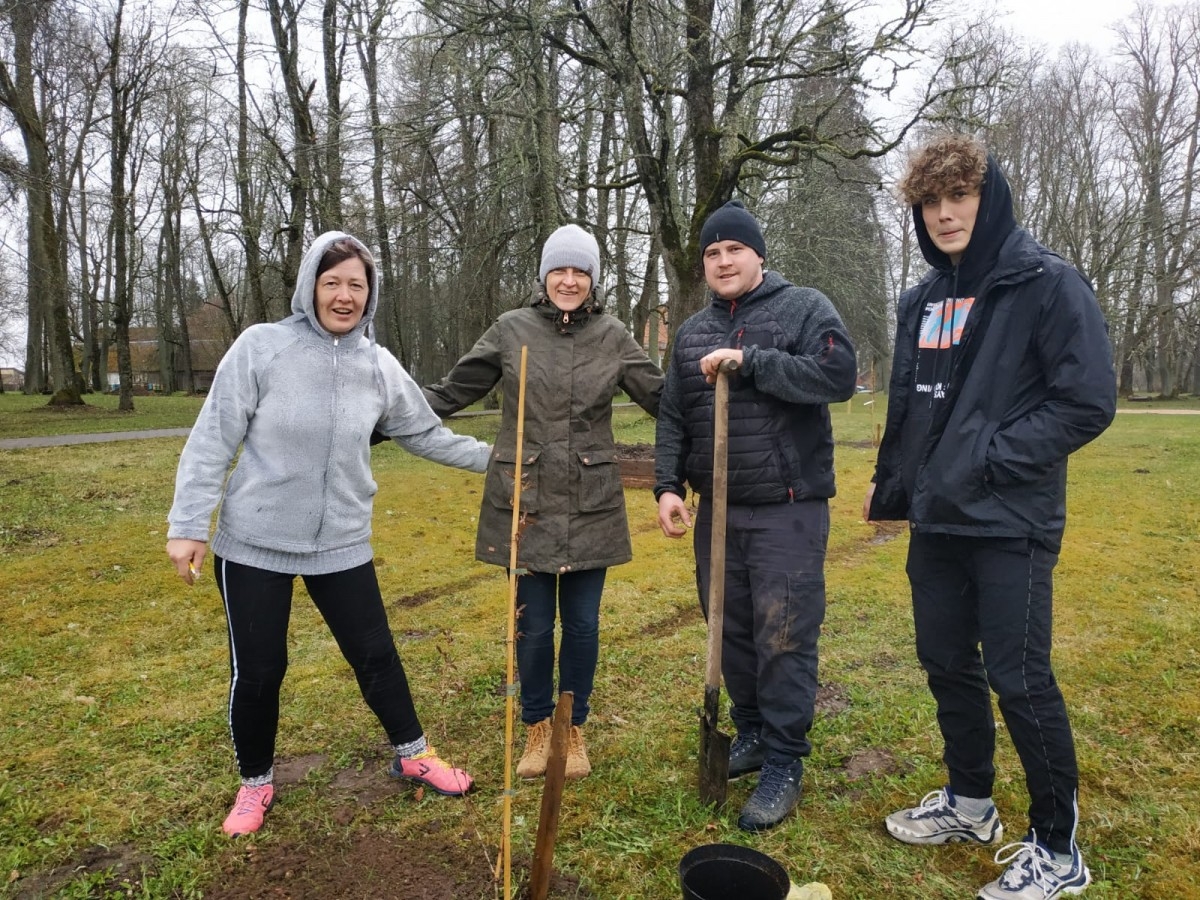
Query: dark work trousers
[
  {"x": 774, "y": 607},
  {"x": 576, "y": 598},
  {"x": 994, "y": 594},
  {"x": 258, "y": 605}
]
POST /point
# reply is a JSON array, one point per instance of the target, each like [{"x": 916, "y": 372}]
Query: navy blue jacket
[
  {"x": 1032, "y": 381},
  {"x": 796, "y": 358}
]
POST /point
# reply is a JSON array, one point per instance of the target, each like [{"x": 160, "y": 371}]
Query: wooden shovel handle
[{"x": 718, "y": 505}]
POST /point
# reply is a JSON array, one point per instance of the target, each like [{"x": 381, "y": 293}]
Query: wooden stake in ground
[
  {"x": 510, "y": 687},
  {"x": 556, "y": 776}
]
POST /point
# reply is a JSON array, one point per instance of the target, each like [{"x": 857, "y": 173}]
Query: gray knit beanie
[
  {"x": 570, "y": 246},
  {"x": 733, "y": 222}
]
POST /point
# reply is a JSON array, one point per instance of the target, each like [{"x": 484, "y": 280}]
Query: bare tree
[
  {"x": 49, "y": 314},
  {"x": 285, "y": 28},
  {"x": 1157, "y": 99},
  {"x": 132, "y": 64}
]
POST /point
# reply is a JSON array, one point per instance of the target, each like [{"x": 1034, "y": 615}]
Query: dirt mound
[{"x": 636, "y": 462}]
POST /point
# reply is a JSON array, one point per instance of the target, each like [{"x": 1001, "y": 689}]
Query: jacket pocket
[
  {"x": 599, "y": 480},
  {"x": 499, "y": 486},
  {"x": 981, "y": 478}
]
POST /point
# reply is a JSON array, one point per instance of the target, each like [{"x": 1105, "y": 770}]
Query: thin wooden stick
[{"x": 510, "y": 688}]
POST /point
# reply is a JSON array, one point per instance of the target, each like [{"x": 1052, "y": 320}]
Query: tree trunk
[
  {"x": 285, "y": 29},
  {"x": 387, "y": 318},
  {"x": 251, "y": 220},
  {"x": 330, "y": 216},
  {"x": 48, "y": 304},
  {"x": 118, "y": 156}
]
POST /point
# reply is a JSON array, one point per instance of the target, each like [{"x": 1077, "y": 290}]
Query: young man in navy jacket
[{"x": 1002, "y": 369}]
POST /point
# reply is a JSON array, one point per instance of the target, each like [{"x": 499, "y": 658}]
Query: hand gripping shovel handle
[{"x": 714, "y": 746}]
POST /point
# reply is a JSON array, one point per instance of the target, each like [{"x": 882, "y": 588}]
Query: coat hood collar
[
  {"x": 594, "y": 305},
  {"x": 304, "y": 297},
  {"x": 993, "y": 224}
]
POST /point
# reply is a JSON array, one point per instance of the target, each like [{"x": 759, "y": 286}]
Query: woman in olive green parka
[{"x": 572, "y": 502}]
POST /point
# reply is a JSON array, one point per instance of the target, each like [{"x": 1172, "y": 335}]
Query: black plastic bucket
[{"x": 731, "y": 872}]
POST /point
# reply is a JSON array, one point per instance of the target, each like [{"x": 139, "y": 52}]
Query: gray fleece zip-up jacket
[{"x": 302, "y": 403}]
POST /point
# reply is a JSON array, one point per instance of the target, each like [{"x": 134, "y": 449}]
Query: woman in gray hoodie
[{"x": 301, "y": 398}]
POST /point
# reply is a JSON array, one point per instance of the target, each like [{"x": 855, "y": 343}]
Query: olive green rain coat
[{"x": 572, "y": 502}]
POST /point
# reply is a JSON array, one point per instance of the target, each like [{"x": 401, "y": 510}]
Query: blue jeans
[{"x": 576, "y": 596}]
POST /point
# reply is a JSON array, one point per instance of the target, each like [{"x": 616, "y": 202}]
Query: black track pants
[
  {"x": 258, "y": 605},
  {"x": 982, "y": 609}
]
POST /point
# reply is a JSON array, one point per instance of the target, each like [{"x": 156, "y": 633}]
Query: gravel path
[{"x": 63, "y": 440}]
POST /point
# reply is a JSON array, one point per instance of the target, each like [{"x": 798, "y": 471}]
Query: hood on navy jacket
[
  {"x": 1031, "y": 382},
  {"x": 993, "y": 224}
]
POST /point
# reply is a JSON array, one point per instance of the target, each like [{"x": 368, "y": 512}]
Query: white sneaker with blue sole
[
  {"x": 1034, "y": 874},
  {"x": 938, "y": 821}
]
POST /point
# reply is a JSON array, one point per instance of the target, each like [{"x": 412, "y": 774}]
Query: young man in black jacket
[
  {"x": 1002, "y": 369},
  {"x": 794, "y": 358}
]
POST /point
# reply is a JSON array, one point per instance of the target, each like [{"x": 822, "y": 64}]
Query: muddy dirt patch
[
  {"x": 886, "y": 531},
  {"x": 832, "y": 700},
  {"x": 872, "y": 761},
  {"x": 110, "y": 871},
  {"x": 369, "y": 864},
  {"x": 672, "y": 623}
]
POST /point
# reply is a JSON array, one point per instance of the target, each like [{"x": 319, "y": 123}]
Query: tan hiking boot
[
  {"x": 577, "y": 760},
  {"x": 537, "y": 751}
]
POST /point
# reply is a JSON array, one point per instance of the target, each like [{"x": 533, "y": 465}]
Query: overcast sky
[{"x": 1057, "y": 22}]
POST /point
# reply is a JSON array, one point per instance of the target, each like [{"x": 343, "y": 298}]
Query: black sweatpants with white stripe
[
  {"x": 258, "y": 606},
  {"x": 983, "y": 614}
]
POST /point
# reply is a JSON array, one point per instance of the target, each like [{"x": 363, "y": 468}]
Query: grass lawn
[
  {"x": 28, "y": 416},
  {"x": 114, "y": 679}
]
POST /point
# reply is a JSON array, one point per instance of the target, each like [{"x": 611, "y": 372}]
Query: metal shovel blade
[{"x": 714, "y": 753}]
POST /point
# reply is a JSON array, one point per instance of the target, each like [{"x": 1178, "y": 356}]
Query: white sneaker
[
  {"x": 1032, "y": 874},
  {"x": 937, "y": 821}
]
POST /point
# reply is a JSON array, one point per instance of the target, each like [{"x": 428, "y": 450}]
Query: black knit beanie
[{"x": 733, "y": 222}]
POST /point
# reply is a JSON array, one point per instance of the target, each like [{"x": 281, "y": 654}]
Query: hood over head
[
  {"x": 993, "y": 223},
  {"x": 304, "y": 297}
]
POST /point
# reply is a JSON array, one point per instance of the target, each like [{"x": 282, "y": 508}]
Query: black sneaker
[
  {"x": 777, "y": 794},
  {"x": 746, "y": 754}
]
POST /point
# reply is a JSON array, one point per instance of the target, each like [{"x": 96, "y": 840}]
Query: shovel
[{"x": 714, "y": 745}]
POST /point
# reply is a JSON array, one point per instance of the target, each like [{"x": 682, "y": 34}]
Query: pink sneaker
[
  {"x": 429, "y": 769},
  {"x": 251, "y": 805}
]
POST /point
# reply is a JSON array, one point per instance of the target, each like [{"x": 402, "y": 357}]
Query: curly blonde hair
[{"x": 947, "y": 162}]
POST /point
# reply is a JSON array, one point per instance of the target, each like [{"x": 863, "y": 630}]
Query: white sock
[
  {"x": 1063, "y": 860},
  {"x": 974, "y": 807}
]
